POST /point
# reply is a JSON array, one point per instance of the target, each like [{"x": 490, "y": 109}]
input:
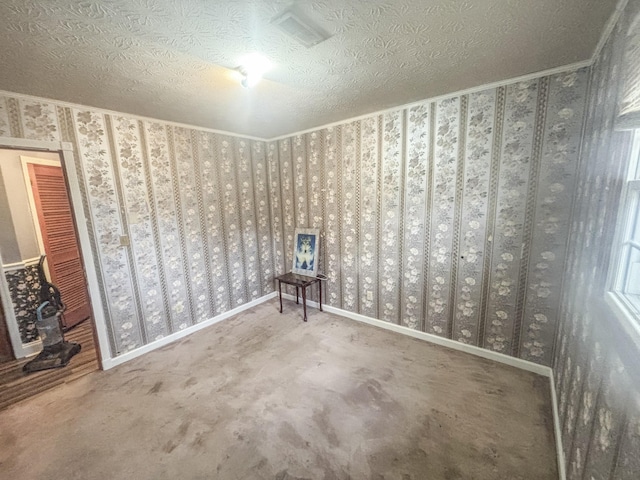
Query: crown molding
[
  {"x": 479, "y": 88},
  {"x": 608, "y": 28},
  {"x": 130, "y": 115}
]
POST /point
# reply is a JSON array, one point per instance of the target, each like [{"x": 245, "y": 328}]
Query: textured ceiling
[{"x": 172, "y": 59}]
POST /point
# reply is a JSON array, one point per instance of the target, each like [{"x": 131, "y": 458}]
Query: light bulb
[{"x": 252, "y": 67}]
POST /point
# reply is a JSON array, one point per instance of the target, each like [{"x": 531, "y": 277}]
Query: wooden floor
[{"x": 15, "y": 385}]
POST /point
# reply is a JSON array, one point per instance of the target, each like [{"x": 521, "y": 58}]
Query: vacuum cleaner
[{"x": 56, "y": 352}]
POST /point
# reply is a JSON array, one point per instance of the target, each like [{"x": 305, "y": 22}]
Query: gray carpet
[{"x": 266, "y": 396}]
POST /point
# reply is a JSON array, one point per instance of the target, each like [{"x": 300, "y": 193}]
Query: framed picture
[{"x": 306, "y": 246}]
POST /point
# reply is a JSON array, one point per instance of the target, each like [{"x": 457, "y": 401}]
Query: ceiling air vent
[{"x": 301, "y": 30}]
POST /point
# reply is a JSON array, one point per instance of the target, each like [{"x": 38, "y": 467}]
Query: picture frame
[{"x": 306, "y": 250}]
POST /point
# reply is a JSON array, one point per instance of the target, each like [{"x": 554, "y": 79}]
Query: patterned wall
[
  {"x": 24, "y": 288},
  {"x": 449, "y": 217},
  {"x": 194, "y": 204},
  {"x": 596, "y": 367}
]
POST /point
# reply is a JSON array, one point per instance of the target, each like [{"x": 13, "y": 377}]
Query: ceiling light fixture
[{"x": 251, "y": 68}]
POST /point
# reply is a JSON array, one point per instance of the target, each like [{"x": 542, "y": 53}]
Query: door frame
[
  {"x": 67, "y": 156},
  {"x": 20, "y": 350}
]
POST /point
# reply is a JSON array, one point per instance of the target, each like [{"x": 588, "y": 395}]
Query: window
[{"x": 624, "y": 294}]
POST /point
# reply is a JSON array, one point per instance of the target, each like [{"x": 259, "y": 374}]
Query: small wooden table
[{"x": 299, "y": 281}]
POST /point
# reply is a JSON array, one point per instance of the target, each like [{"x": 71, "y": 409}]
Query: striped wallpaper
[
  {"x": 449, "y": 217},
  {"x": 194, "y": 205}
]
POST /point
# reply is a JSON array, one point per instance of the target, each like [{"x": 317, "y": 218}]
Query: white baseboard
[
  {"x": 8, "y": 267},
  {"x": 446, "y": 342},
  {"x": 473, "y": 350},
  {"x": 562, "y": 474},
  {"x": 31, "y": 348},
  {"x": 125, "y": 357}
]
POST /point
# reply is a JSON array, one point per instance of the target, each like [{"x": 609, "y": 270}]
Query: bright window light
[{"x": 624, "y": 279}]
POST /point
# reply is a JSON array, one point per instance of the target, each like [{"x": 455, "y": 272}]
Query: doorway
[
  {"x": 57, "y": 238},
  {"x": 37, "y": 219}
]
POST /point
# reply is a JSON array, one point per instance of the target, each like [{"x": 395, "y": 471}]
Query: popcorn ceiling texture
[{"x": 172, "y": 60}]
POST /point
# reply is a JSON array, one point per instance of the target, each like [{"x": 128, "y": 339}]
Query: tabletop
[{"x": 297, "y": 280}]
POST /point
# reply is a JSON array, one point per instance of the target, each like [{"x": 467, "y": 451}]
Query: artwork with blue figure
[{"x": 305, "y": 252}]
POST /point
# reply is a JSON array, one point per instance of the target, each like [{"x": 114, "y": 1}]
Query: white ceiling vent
[{"x": 301, "y": 30}]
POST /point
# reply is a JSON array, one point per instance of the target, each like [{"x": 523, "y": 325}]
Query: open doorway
[
  {"x": 36, "y": 218},
  {"x": 56, "y": 234}
]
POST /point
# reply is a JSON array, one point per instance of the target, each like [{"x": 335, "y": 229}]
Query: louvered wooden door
[{"x": 60, "y": 241}]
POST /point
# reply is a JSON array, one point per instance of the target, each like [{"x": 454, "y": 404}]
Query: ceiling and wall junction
[{"x": 174, "y": 61}]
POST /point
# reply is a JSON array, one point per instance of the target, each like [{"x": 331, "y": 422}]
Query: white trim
[
  {"x": 479, "y": 88},
  {"x": 40, "y": 161},
  {"x": 10, "y": 316},
  {"x": 32, "y": 348},
  {"x": 625, "y": 313},
  {"x": 20, "y": 350},
  {"x": 82, "y": 230},
  {"x": 105, "y": 111},
  {"x": 8, "y": 267},
  {"x": 445, "y": 342},
  {"x": 29, "y": 144},
  {"x": 445, "y": 96},
  {"x": 65, "y": 149},
  {"x": 626, "y": 319},
  {"x": 31, "y": 261},
  {"x": 562, "y": 474},
  {"x": 125, "y": 357},
  {"x": 608, "y": 28}
]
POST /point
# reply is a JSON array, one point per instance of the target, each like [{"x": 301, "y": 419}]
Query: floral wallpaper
[
  {"x": 486, "y": 218},
  {"x": 4, "y": 119},
  {"x": 449, "y": 217},
  {"x": 196, "y": 207},
  {"x": 595, "y": 364},
  {"x": 24, "y": 287}
]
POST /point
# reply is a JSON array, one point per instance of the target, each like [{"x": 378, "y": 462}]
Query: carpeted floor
[{"x": 266, "y": 396}]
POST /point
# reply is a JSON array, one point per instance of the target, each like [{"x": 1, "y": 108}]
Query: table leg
[
  {"x": 297, "y": 303},
  {"x": 320, "y": 288},
  {"x": 304, "y": 302},
  {"x": 280, "y": 289}
]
